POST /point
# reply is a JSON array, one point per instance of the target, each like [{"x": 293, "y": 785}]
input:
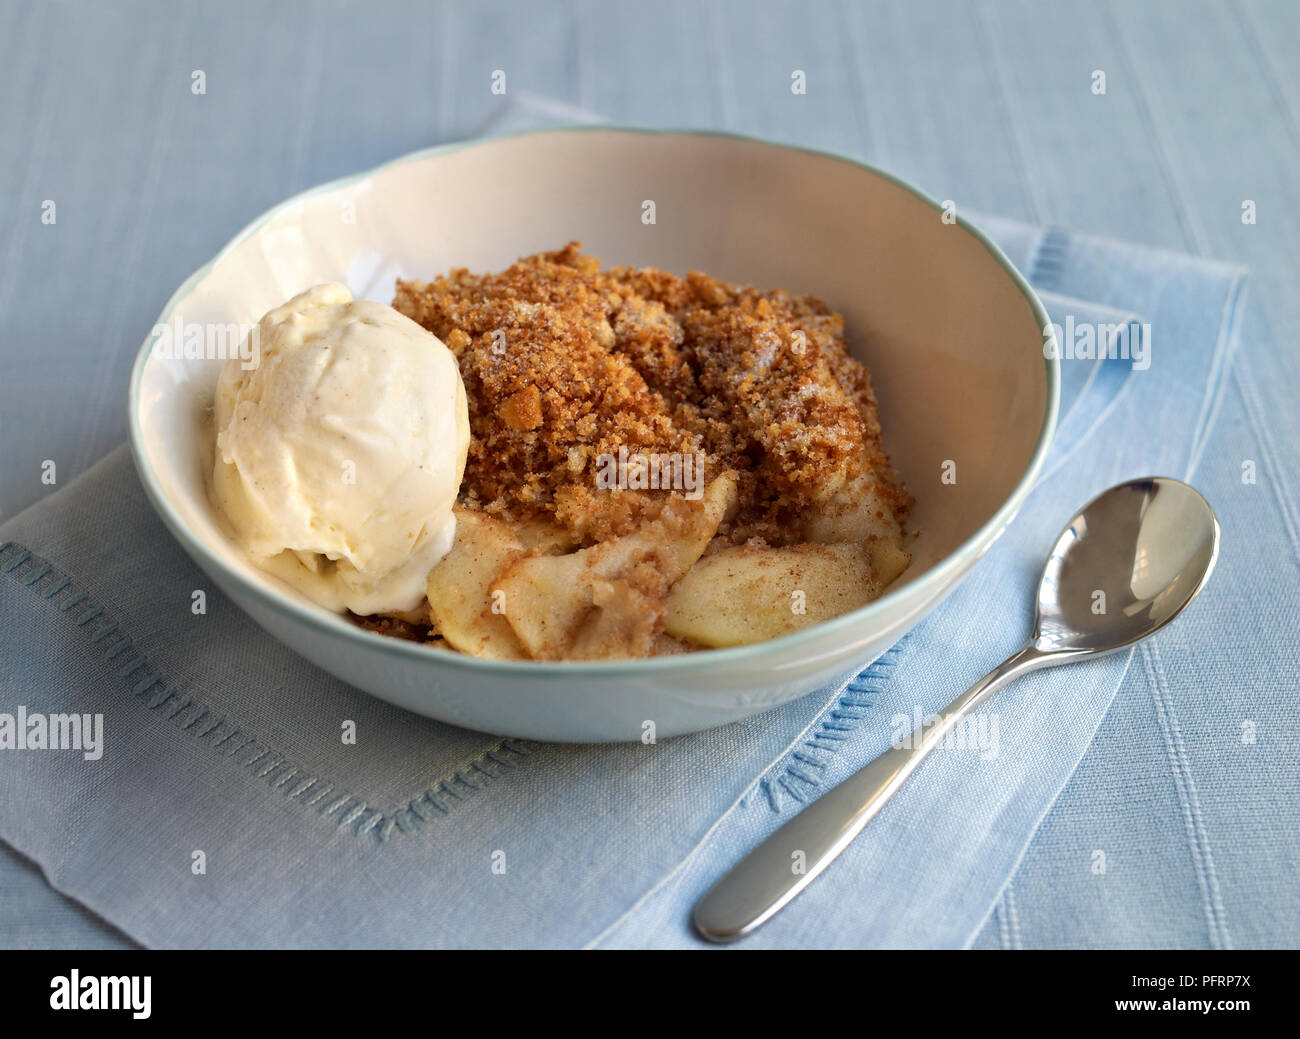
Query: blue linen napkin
[{"x": 223, "y": 748}]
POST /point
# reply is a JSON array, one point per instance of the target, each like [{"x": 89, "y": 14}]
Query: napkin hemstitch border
[{"x": 198, "y": 719}]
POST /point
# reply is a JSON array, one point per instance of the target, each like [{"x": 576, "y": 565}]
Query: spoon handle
[{"x": 771, "y": 875}]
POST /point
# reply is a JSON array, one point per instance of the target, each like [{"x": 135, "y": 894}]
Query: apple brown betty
[{"x": 657, "y": 464}]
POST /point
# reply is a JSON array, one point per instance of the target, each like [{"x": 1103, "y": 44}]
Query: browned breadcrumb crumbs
[
  {"x": 564, "y": 362},
  {"x": 396, "y": 627}
]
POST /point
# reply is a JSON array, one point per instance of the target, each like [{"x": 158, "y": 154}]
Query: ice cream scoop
[{"x": 340, "y": 454}]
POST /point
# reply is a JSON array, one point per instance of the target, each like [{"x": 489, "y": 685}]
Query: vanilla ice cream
[{"x": 339, "y": 456}]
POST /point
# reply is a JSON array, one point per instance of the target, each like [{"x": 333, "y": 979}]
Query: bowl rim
[{"x": 335, "y": 625}]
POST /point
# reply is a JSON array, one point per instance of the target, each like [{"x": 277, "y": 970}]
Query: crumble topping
[{"x": 564, "y": 363}]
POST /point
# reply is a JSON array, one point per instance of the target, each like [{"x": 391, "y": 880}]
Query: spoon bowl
[{"x": 1125, "y": 566}]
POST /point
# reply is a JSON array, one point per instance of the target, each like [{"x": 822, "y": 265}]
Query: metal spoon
[{"x": 1126, "y": 566}]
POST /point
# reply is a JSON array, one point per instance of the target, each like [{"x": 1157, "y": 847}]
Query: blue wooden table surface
[{"x": 993, "y": 104}]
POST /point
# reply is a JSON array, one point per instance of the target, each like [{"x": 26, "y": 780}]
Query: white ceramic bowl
[{"x": 951, "y": 332}]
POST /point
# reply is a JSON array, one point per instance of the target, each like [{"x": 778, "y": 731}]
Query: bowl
[{"x": 951, "y": 332}]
